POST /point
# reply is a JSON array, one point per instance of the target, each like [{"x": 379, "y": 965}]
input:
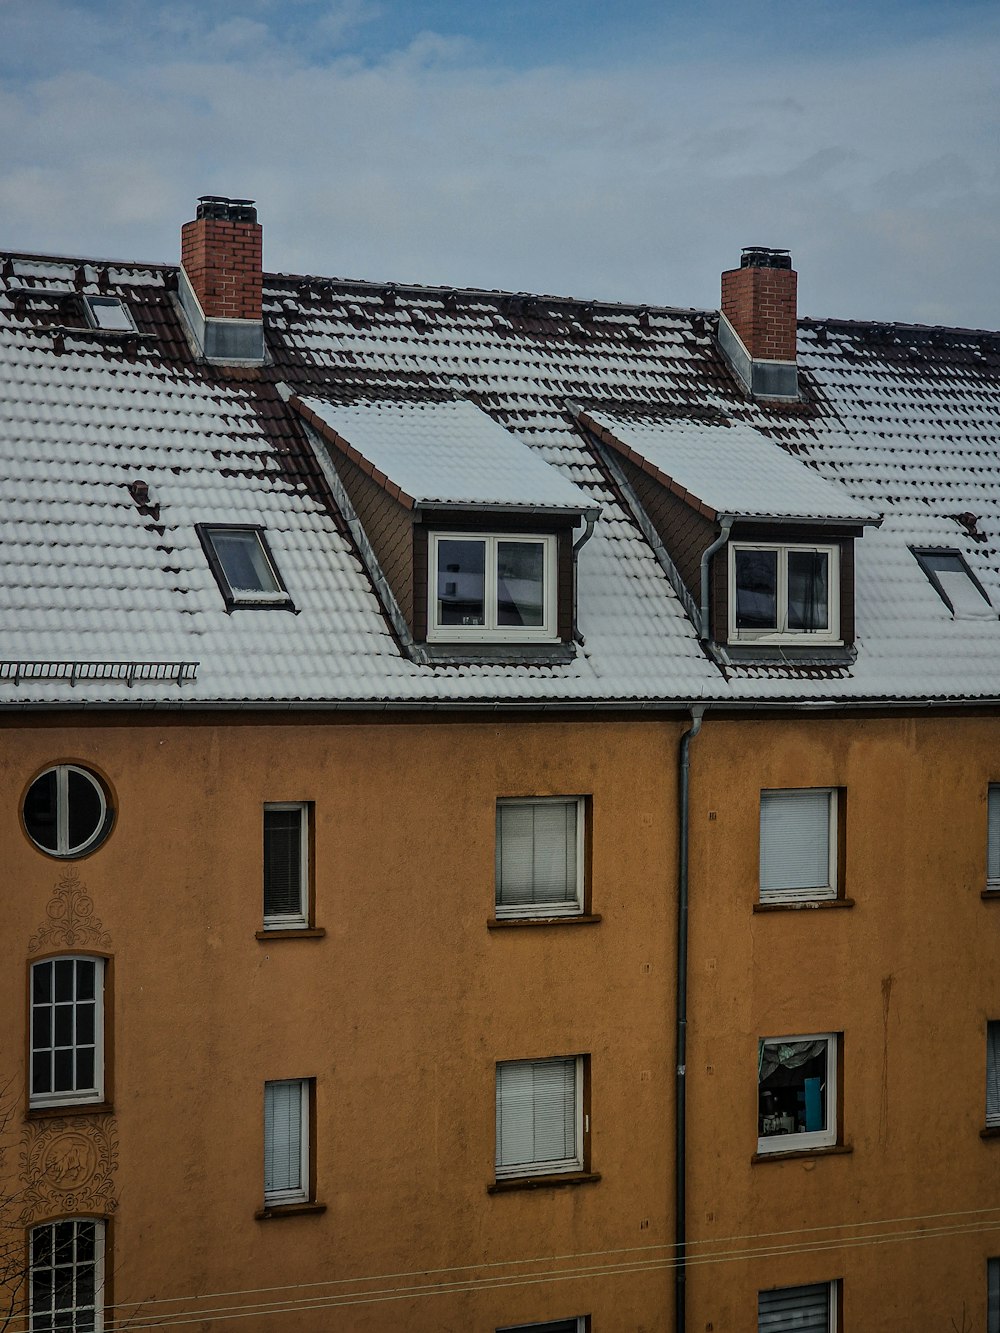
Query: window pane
[
  {"x": 243, "y": 562},
  {"x": 808, "y": 590},
  {"x": 40, "y": 811},
  {"x": 536, "y": 860},
  {"x": 65, "y": 979},
  {"x": 110, "y": 313},
  {"x": 461, "y": 582},
  {"x": 794, "y": 841},
  {"x": 41, "y": 982},
  {"x": 85, "y": 809},
  {"x": 993, "y": 1296},
  {"x": 756, "y": 589},
  {"x": 792, "y": 1087},
  {"x": 283, "y": 886},
  {"x": 795, "y": 1309},
  {"x": 520, "y": 583}
]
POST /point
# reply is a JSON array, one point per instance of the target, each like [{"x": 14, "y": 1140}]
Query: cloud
[{"x": 636, "y": 180}]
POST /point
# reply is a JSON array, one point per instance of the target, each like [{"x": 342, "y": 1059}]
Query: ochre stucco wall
[{"x": 402, "y": 1010}]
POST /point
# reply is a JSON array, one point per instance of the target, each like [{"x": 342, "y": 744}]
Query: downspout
[
  {"x": 720, "y": 541},
  {"x": 680, "y": 1100},
  {"x": 578, "y": 545}
]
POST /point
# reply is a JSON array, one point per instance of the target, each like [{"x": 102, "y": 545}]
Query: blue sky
[{"x": 620, "y": 151}]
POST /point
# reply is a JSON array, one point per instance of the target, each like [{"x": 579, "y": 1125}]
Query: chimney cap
[
  {"x": 763, "y": 256},
  {"x": 218, "y": 207}
]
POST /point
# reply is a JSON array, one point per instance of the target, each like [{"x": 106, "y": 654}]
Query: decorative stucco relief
[
  {"x": 68, "y": 1166},
  {"x": 70, "y": 920}
]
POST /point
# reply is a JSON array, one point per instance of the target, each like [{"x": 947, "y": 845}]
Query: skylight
[
  {"x": 243, "y": 566},
  {"x": 955, "y": 583},
  {"x": 109, "y": 313}
]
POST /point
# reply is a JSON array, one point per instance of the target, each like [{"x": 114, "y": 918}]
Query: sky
[{"x": 620, "y": 150}]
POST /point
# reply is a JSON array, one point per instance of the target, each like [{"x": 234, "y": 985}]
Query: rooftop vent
[
  {"x": 760, "y": 256},
  {"x": 221, "y": 209}
]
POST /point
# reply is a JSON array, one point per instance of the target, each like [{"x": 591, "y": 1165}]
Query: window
[
  {"x": 286, "y": 865},
  {"x": 993, "y": 838},
  {"x": 797, "y": 1093},
  {"x": 66, "y": 811},
  {"x": 539, "y": 857},
  {"x": 67, "y": 1031},
  {"x": 784, "y": 594},
  {"x": 577, "y": 1325},
  {"x": 811, "y": 1309},
  {"x": 539, "y": 1117},
  {"x": 954, "y": 582},
  {"x": 243, "y": 566},
  {"x": 67, "y": 1276},
  {"x": 798, "y": 845},
  {"x": 492, "y": 587},
  {"x": 286, "y": 1141},
  {"x": 109, "y": 313},
  {"x": 993, "y": 1296},
  {"x": 993, "y": 1075}
]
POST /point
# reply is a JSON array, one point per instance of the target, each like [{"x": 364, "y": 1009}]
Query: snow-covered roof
[
  {"x": 106, "y": 596},
  {"x": 729, "y": 468},
  {"x": 447, "y": 454}
]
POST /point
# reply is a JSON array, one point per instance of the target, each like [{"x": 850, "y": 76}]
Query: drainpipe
[
  {"x": 578, "y": 546},
  {"x": 680, "y": 1103},
  {"x": 720, "y": 541}
]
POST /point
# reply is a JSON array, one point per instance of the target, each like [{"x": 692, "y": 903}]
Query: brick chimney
[
  {"x": 221, "y": 279},
  {"x": 757, "y": 330}
]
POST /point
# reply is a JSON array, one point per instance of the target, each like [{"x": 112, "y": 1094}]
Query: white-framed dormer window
[
  {"x": 539, "y": 1117},
  {"x": 243, "y": 566},
  {"x": 67, "y": 1031},
  {"x": 540, "y": 856},
  {"x": 498, "y": 588},
  {"x": 809, "y": 1309},
  {"x": 286, "y": 1141},
  {"x": 286, "y": 865},
  {"x": 109, "y": 313},
  {"x": 784, "y": 593},
  {"x": 796, "y": 1092},
  {"x": 798, "y": 845}
]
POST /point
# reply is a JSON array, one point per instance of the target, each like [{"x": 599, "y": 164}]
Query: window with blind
[
  {"x": 286, "y": 1141},
  {"x": 66, "y": 1288},
  {"x": 811, "y": 1309},
  {"x": 577, "y": 1325},
  {"x": 798, "y": 845},
  {"x": 67, "y": 1031},
  {"x": 796, "y": 1093},
  {"x": 539, "y": 857},
  {"x": 993, "y": 1296},
  {"x": 539, "y": 1117},
  {"x": 286, "y": 865},
  {"x": 993, "y": 837},
  {"x": 993, "y": 1075}
]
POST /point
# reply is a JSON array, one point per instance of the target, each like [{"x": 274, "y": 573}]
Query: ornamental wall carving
[
  {"x": 68, "y": 1166},
  {"x": 70, "y": 920}
]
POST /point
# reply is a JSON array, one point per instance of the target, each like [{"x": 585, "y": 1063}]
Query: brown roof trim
[
  {"x": 345, "y": 447},
  {"x": 606, "y": 437}
]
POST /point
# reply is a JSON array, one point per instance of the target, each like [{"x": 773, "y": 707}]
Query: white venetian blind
[
  {"x": 536, "y": 1115},
  {"x": 283, "y": 862},
  {"x": 795, "y": 842},
  {"x": 993, "y": 1073},
  {"x": 536, "y": 860},
  {"x": 794, "y": 1309},
  {"x": 993, "y": 836},
  {"x": 283, "y": 1139}
]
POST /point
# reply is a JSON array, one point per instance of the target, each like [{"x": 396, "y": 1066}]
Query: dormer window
[
  {"x": 110, "y": 314},
  {"x": 243, "y": 566},
  {"x": 491, "y": 587},
  {"x": 783, "y": 593},
  {"x": 954, "y": 582}
]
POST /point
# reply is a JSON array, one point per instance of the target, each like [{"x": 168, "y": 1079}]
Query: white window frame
[
  {"x": 571, "y": 906},
  {"x": 300, "y": 919},
  {"x": 824, "y": 892},
  {"x": 39, "y": 1317},
  {"x": 94, "y": 319},
  {"x": 300, "y": 1194},
  {"x": 993, "y": 1074},
  {"x": 519, "y": 1170},
  {"x": 491, "y": 632},
  {"x": 992, "y": 834},
  {"x": 832, "y": 1301},
  {"x": 782, "y": 634},
  {"x": 63, "y": 850},
  {"x": 822, "y": 1138},
  {"x": 72, "y": 1096}
]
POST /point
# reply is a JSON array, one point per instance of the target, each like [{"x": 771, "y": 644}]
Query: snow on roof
[
  {"x": 731, "y": 468},
  {"x": 448, "y": 454},
  {"x": 94, "y": 569}
]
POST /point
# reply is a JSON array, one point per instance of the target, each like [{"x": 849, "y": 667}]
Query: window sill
[
  {"x": 990, "y": 1132},
  {"x": 578, "y": 919},
  {"x": 988, "y": 894},
  {"x": 69, "y": 1108},
  {"x": 276, "y": 1210},
  {"x": 810, "y": 905},
  {"x": 556, "y": 1181},
  {"x": 800, "y": 1154},
  {"x": 293, "y": 933}
]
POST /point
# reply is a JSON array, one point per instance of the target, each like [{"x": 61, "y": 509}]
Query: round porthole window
[{"x": 66, "y": 811}]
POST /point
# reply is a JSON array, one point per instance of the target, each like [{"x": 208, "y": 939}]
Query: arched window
[{"x": 67, "y": 1276}]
